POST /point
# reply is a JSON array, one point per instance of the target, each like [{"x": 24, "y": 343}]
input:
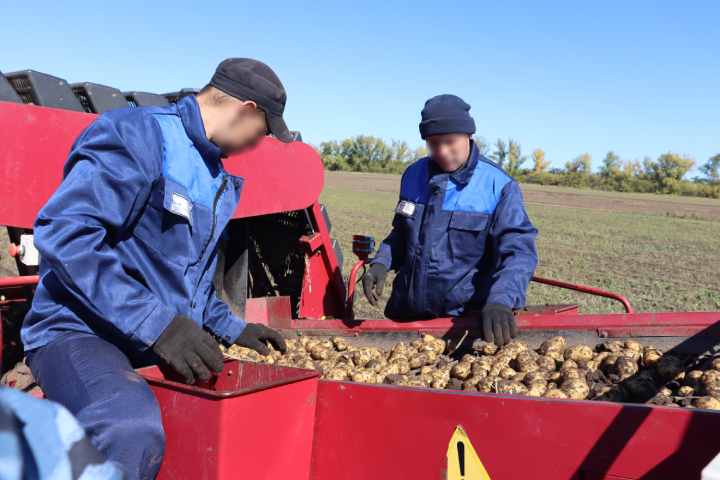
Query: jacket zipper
[{"x": 218, "y": 194}]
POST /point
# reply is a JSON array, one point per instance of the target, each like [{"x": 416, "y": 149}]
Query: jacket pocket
[
  {"x": 166, "y": 224},
  {"x": 467, "y": 233}
]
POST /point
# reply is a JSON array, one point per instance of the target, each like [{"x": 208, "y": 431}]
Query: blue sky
[{"x": 639, "y": 77}]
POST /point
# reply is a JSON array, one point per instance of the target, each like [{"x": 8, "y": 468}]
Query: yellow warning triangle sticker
[{"x": 463, "y": 462}]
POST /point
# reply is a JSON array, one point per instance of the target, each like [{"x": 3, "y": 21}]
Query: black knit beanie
[{"x": 446, "y": 114}]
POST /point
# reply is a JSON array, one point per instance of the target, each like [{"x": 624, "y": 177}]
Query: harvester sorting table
[{"x": 281, "y": 267}]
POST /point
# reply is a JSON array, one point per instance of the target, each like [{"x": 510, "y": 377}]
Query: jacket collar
[
  {"x": 189, "y": 111},
  {"x": 462, "y": 175}
]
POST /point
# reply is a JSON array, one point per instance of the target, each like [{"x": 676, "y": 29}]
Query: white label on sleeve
[{"x": 405, "y": 208}]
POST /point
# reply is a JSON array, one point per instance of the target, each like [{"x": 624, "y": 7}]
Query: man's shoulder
[
  {"x": 123, "y": 118},
  {"x": 417, "y": 168},
  {"x": 487, "y": 167}
]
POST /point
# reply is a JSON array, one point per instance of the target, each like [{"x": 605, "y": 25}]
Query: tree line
[{"x": 664, "y": 174}]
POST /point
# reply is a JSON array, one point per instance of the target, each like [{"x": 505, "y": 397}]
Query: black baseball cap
[{"x": 248, "y": 79}]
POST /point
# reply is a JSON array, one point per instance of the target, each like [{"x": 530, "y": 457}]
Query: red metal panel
[
  {"x": 323, "y": 288},
  {"x": 365, "y": 431},
  {"x": 614, "y": 324},
  {"x": 259, "y": 427},
  {"x": 279, "y": 177},
  {"x": 35, "y": 141}
]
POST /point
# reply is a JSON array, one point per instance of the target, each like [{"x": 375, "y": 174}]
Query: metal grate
[
  {"x": 84, "y": 100},
  {"x": 23, "y": 88},
  {"x": 276, "y": 261}
]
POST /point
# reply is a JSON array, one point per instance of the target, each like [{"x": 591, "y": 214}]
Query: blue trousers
[{"x": 95, "y": 381}]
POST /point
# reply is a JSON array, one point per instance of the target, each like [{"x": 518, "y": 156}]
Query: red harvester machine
[{"x": 280, "y": 266}]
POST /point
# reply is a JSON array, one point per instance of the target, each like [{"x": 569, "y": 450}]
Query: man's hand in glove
[
  {"x": 498, "y": 324},
  {"x": 256, "y": 335},
  {"x": 189, "y": 350},
  {"x": 374, "y": 282}
]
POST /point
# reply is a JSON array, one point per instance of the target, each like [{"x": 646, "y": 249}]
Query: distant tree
[
  {"x": 711, "y": 168},
  {"x": 500, "y": 154},
  {"x": 481, "y": 145},
  {"x": 611, "y": 166},
  {"x": 632, "y": 168},
  {"x": 581, "y": 164},
  {"x": 420, "y": 152},
  {"x": 515, "y": 158},
  {"x": 540, "y": 165},
  {"x": 668, "y": 166}
]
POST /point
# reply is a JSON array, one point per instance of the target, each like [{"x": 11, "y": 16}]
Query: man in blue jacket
[
  {"x": 461, "y": 239},
  {"x": 128, "y": 248}
]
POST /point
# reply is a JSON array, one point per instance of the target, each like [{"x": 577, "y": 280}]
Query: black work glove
[
  {"x": 498, "y": 324},
  {"x": 189, "y": 350},
  {"x": 374, "y": 282},
  {"x": 255, "y": 335}
]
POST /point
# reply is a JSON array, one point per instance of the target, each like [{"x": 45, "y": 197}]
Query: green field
[{"x": 662, "y": 252}]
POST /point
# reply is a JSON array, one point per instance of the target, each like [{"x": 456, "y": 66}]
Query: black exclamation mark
[{"x": 461, "y": 457}]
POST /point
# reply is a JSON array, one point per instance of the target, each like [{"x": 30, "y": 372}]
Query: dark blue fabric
[
  {"x": 129, "y": 239},
  {"x": 446, "y": 114},
  {"x": 95, "y": 381},
  {"x": 467, "y": 242}
]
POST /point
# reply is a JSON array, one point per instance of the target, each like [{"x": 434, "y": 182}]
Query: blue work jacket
[
  {"x": 129, "y": 239},
  {"x": 459, "y": 240}
]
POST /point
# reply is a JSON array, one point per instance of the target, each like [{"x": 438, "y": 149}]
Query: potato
[
  {"x": 390, "y": 369},
  {"x": 716, "y": 363},
  {"x": 665, "y": 391},
  {"x": 555, "y": 393},
  {"x": 685, "y": 391},
  {"x": 418, "y": 360},
  {"x": 483, "y": 347},
  {"x": 525, "y": 362},
  {"x": 669, "y": 367},
  {"x": 487, "y": 385},
  {"x": 364, "y": 376},
  {"x": 440, "y": 378},
  {"x": 375, "y": 365},
  {"x": 569, "y": 363},
  {"x": 319, "y": 352},
  {"x": 474, "y": 380},
  {"x": 575, "y": 389},
  {"x": 435, "y": 344},
  {"x": 650, "y": 357},
  {"x": 535, "y": 377},
  {"x": 554, "y": 376},
  {"x": 461, "y": 370},
  {"x": 546, "y": 363},
  {"x": 633, "y": 355},
  {"x": 556, "y": 355},
  {"x": 514, "y": 347},
  {"x": 507, "y": 373},
  {"x": 361, "y": 357},
  {"x": 693, "y": 379},
  {"x": 613, "y": 346},
  {"x": 519, "y": 377},
  {"x": 337, "y": 373},
  {"x": 340, "y": 344},
  {"x": 555, "y": 344},
  {"x": 579, "y": 353},
  {"x": 536, "y": 389},
  {"x": 624, "y": 367},
  {"x": 633, "y": 345},
  {"x": 711, "y": 377},
  {"x": 572, "y": 374},
  {"x": 707, "y": 402},
  {"x": 511, "y": 387}
]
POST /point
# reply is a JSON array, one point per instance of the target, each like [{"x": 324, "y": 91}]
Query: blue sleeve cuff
[
  {"x": 148, "y": 331},
  {"x": 229, "y": 329}
]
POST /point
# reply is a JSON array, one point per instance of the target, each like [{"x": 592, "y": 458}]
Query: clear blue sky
[{"x": 638, "y": 77}]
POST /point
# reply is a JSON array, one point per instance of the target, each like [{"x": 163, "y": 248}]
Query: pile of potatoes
[{"x": 623, "y": 371}]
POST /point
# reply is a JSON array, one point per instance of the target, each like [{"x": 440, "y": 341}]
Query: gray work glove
[{"x": 374, "y": 282}]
